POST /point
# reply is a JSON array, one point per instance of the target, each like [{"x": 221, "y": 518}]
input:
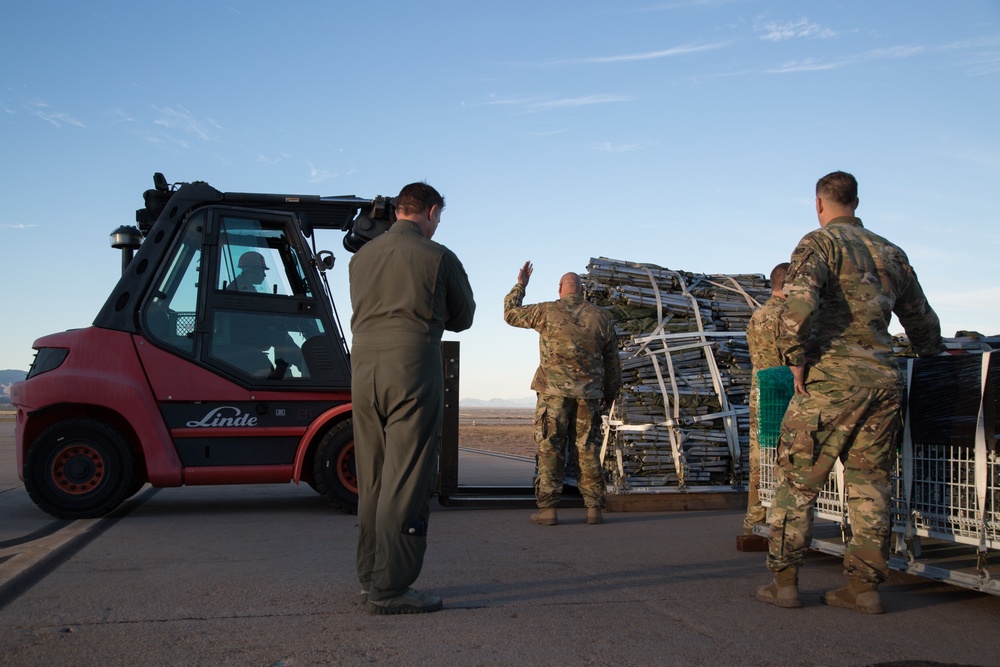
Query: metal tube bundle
[{"x": 682, "y": 418}]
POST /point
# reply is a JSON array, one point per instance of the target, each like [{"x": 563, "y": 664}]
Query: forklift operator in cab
[
  {"x": 252, "y": 268},
  {"x": 252, "y": 335}
]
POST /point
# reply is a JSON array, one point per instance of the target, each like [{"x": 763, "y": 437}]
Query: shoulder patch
[{"x": 800, "y": 251}]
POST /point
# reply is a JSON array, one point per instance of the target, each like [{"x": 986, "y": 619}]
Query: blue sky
[{"x": 688, "y": 134}]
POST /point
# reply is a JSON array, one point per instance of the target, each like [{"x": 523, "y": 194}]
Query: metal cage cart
[{"x": 945, "y": 506}]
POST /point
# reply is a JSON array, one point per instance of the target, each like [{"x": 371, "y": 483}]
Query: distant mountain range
[
  {"x": 498, "y": 403},
  {"x": 8, "y": 378}
]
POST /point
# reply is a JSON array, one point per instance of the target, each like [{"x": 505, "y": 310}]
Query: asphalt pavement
[{"x": 264, "y": 575}]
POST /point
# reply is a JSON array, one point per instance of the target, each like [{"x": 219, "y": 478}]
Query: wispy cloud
[
  {"x": 548, "y": 133},
  {"x": 585, "y": 101},
  {"x": 636, "y": 57},
  {"x": 807, "y": 65},
  {"x": 534, "y": 105},
  {"x": 17, "y": 226},
  {"x": 179, "y": 118},
  {"x": 55, "y": 118},
  {"x": 281, "y": 157},
  {"x": 986, "y": 42},
  {"x": 317, "y": 175},
  {"x": 121, "y": 116},
  {"x": 817, "y": 64},
  {"x": 985, "y": 59},
  {"x": 608, "y": 147},
  {"x": 985, "y": 65},
  {"x": 893, "y": 52},
  {"x": 797, "y": 29}
]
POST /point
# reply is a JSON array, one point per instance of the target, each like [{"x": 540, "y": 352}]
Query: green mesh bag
[{"x": 775, "y": 387}]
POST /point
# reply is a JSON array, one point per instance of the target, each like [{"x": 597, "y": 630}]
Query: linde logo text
[{"x": 227, "y": 415}]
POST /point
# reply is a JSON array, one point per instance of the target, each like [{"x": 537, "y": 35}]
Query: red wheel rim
[
  {"x": 346, "y": 472},
  {"x": 77, "y": 469}
]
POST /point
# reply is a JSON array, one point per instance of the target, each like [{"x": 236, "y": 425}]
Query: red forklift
[{"x": 218, "y": 358}]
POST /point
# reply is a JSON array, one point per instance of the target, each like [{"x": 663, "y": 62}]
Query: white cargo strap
[
  {"x": 907, "y": 458},
  {"x": 606, "y": 429},
  {"x": 675, "y": 439},
  {"x": 838, "y": 474},
  {"x": 656, "y": 293},
  {"x": 686, "y": 291},
  {"x": 675, "y": 446},
  {"x": 752, "y": 302},
  {"x": 728, "y": 421},
  {"x": 982, "y": 464},
  {"x": 671, "y": 413}
]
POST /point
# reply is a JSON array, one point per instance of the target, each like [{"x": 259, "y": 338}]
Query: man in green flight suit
[
  {"x": 577, "y": 379},
  {"x": 406, "y": 290},
  {"x": 843, "y": 286}
]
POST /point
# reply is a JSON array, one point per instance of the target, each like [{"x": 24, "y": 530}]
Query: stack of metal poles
[{"x": 682, "y": 417}]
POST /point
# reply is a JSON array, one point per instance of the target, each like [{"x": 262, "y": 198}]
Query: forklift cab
[{"x": 239, "y": 292}]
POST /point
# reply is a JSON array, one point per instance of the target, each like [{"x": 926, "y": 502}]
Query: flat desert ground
[{"x": 504, "y": 430}]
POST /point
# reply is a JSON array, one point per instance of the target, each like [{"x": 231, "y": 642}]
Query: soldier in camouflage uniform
[
  {"x": 577, "y": 379},
  {"x": 762, "y": 339},
  {"x": 843, "y": 286}
]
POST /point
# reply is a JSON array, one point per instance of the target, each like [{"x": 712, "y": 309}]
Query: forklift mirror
[{"x": 324, "y": 260}]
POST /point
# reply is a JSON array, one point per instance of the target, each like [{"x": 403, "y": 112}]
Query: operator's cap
[{"x": 252, "y": 260}]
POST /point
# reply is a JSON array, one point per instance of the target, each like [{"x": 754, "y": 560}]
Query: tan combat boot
[
  {"x": 594, "y": 515},
  {"x": 859, "y": 596},
  {"x": 783, "y": 591},
  {"x": 545, "y": 517}
]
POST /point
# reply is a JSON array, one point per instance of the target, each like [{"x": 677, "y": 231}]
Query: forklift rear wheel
[
  {"x": 78, "y": 469},
  {"x": 335, "y": 470}
]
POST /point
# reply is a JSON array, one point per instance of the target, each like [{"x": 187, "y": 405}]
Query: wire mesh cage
[{"x": 775, "y": 387}]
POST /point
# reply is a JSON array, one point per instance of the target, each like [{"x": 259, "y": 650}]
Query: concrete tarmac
[{"x": 264, "y": 575}]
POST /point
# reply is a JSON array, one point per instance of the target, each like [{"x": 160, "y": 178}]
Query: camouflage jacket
[
  {"x": 843, "y": 286},
  {"x": 577, "y": 345},
  {"x": 762, "y": 333}
]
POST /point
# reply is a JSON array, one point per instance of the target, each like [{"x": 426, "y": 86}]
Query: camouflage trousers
[
  {"x": 561, "y": 422},
  {"x": 861, "y": 427}
]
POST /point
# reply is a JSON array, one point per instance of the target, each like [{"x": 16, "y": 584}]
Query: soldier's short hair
[
  {"x": 838, "y": 186},
  {"x": 417, "y": 198},
  {"x": 778, "y": 275}
]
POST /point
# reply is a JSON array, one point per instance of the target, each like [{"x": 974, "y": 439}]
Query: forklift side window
[
  {"x": 266, "y": 345},
  {"x": 169, "y": 315},
  {"x": 256, "y": 256}
]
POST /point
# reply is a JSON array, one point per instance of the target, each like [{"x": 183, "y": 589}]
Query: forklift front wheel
[
  {"x": 334, "y": 468},
  {"x": 78, "y": 469}
]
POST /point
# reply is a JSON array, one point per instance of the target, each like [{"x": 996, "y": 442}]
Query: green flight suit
[{"x": 406, "y": 290}]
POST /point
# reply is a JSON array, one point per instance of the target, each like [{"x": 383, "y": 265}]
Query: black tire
[
  {"x": 79, "y": 469},
  {"x": 335, "y": 472},
  {"x": 135, "y": 486}
]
